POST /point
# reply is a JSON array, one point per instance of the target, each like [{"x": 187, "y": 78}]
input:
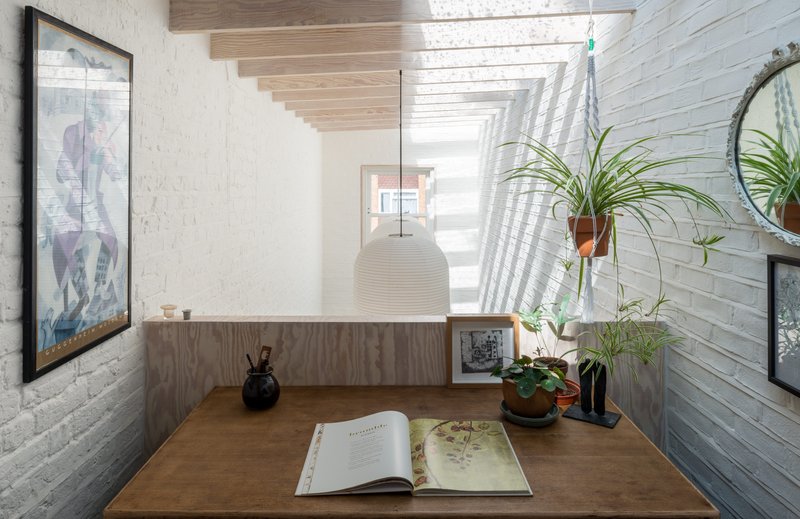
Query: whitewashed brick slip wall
[
  {"x": 674, "y": 66},
  {"x": 226, "y": 219}
]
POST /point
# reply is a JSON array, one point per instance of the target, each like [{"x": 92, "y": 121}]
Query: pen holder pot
[{"x": 260, "y": 390}]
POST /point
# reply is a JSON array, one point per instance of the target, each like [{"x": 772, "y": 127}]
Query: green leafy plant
[
  {"x": 613, "y": 185},
  {"x": 556, "y": 320},
  {"x": 773, "y": 171},
  {"x": 633, "y": 334},
  {"x": 528, "y": 375}
]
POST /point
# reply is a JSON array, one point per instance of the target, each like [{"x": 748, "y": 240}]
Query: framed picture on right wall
[{"x": 783, "y": 295}]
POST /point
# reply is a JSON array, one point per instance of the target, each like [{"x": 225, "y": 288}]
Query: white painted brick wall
[
  {"x": 675, "y": 66},
  {"x": 226, "y": 219}
]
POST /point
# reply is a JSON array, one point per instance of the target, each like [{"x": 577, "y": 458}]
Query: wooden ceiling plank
[
  {"x": 334, "y": 93},
  {"x": 426, "y": 98},
  {"x": 406, "y": 38},
  {"x": 321, "y": 104},
  {"x": 407, "y": 115},
  {"x": 310, "y": 82},
  {"x": 348, "y": 111},
  {"x": 187, "y": 16},
  {"x": 426, "y": 60},
  {"x": 390, "y": 117}
]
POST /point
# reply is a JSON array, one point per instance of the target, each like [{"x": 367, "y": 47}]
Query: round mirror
[{"x": 764, "y": 146}]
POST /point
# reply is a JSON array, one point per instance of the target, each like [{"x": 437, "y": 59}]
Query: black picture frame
[
  {"x": 76, "y": 192},
  {"x": 783, "y": 300}
]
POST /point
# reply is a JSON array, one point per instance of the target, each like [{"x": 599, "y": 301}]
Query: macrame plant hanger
[
  {"x": 786, "y": 118},
  {"x": 591, "y": 123}
]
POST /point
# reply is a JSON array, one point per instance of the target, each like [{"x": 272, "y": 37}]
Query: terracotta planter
[
  {"x": 566, "y": 397},
  {"x": 583, "y": 232},
  {"x": 534, "y": 407},
  {"x": 552, "y": 362},
  {"x": 788, "y": 216}
]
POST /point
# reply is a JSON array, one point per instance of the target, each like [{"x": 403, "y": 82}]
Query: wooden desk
[{"x": 228, "y": 461}]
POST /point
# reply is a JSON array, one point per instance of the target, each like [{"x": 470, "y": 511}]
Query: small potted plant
[
  {"x": 529, "y": 387},
  {"x": 534, "y": 320},
  {"x": 556, "y": 320},
  {"x": 633, "y": 335}
]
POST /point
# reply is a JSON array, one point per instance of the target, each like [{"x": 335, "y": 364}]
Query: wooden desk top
[{"x": 228, "y": 461}]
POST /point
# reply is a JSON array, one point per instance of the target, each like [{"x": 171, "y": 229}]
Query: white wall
[
  {"x": 226, "y": 219},
  {"x": 674, "y": 66},
  {"x": 452, "y": 152}
]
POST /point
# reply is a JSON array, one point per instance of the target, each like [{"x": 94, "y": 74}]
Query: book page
[
  {"x": 356, "y": 453},
  {"x": 464, "y": 457}
]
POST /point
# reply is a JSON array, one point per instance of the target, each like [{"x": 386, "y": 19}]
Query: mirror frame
[{"x": 782, "y": 57}]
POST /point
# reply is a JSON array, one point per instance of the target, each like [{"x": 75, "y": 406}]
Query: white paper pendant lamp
[
  {"x": 410, "y": 226},
  {"x": 403, "y": 275}
]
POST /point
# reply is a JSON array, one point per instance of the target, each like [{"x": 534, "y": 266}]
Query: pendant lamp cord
[{"x": 400, "y": 188}]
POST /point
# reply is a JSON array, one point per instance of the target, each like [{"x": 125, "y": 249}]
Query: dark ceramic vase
[
  {"x": 596, "y": 375},
  {"x": 260, "y": 390}
]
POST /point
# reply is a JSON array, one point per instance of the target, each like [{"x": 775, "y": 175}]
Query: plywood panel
[
  {"x": 228, "y": 15},
  {"x": 186, "y": 359}
]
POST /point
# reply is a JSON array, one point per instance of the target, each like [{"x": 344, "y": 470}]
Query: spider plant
[
  {"x": 633, "y": 334},
  {"x": 773, "y": 171},
  {"x": 618, "y": 184}
]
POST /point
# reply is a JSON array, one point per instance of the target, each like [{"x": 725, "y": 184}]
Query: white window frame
[{"x": 366, "y": 192}]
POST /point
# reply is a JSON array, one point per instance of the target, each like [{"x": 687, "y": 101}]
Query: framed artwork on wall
[
  {"x": 476, "y": 344},
  {"x": 77, "y": 191},
  {"x": 783, "y": 296}
]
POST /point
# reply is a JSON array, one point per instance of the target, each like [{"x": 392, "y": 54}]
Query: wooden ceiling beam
[
  {"x": 410, "y": 77},
  {"x": 310, "y": 82},
  {"x": 467, "y": 87},
  {"x": 409, "y": 86},
  {"x": 334, "y": 93},
  {"x": 394, "y": 110},
  {"x": 424, "y": 60},
  {"x": 391, "y": 117},
  {"x": 399, "y": 38},
  {"x": 188, "y": 16},
  {"x": 322, "y": 104},
  {"x": 322, "y": 115},
  {"x": 423, "y": 98},
  {"x": 378, "y": 102}
]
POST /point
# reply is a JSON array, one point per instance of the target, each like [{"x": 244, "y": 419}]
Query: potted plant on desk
[
  {"x": 556, "y": 320},
  {"x": 634, "y": 335},
  {"x": 529, "y": 387}
]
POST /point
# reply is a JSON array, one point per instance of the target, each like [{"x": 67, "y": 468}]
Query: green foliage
[
  {"x": 556, "y": 318},
  {"x": 773, "y": 172},
  {"x": 634, "y": 334},
  {"x": 619, "y": 184},
  {"x": 528, "y": 375}
]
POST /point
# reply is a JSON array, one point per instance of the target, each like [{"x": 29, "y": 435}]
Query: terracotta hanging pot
[
  {"x": 789, "y": 216},
  {"x": 583, "y": 232}
]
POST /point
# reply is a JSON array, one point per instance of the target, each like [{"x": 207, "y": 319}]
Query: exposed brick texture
[
  {"x": 226, "y": 219},
  {"x": 678, "y": 66}
]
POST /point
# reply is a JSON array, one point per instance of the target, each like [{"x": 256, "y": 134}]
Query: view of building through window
[{"x": 383, "y": 196}]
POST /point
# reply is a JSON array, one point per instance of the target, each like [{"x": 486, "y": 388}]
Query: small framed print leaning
[
  {"x": 77, "y": 191},
  {"x": 476, "y": 344},
  {"x": 783, "y": 296}
]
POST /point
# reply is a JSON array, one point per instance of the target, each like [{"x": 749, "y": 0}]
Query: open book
[{"x": 385, "y": 452}]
